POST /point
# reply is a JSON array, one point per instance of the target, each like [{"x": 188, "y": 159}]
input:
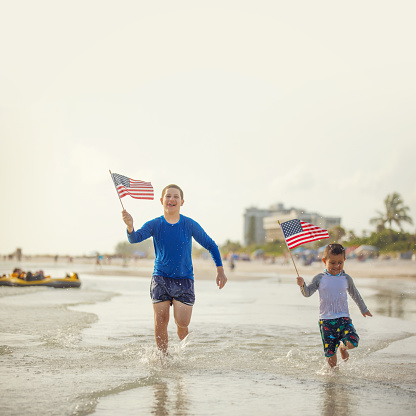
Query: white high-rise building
[
  {"x": 254, "y": 232},
  {"x": 261, "y": 225}
]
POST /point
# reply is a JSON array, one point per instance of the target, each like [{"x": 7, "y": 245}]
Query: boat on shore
[{"x": 23, "y": 279}]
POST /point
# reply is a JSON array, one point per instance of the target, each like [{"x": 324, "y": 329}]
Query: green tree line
[
  {"x": 385, "y": 237},
  {"x": 144, "y": 249}
]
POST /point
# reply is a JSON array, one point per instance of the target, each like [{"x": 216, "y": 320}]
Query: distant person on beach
[
  {"x": 337, "y": 330},
  {"x": 173, "y": 278},
  {"x": 231, "y": 259}
]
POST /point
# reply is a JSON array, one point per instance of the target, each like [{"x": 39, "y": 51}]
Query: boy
[
  {"x": 334, "y": 319},
  {"x": 173, "y": 277}
]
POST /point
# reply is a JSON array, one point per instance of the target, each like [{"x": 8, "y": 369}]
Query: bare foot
[
  {"x": 344, "y": 354},
  {"x": 164, "y": 358}
]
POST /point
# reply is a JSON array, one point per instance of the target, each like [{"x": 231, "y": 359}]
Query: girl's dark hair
[{"x": 333, "y": 249}]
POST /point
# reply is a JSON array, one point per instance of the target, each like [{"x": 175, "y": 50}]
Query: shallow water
[{"x": 254, "y": 347}]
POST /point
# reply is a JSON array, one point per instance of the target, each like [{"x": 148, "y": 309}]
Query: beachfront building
[
  {"x": 261, "y": 225},
  {"x": 253, "y": 225}
]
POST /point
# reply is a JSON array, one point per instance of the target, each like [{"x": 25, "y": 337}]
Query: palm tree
[
  {"x": 336, "y": 233},
  {"x": 395, "y": 212}
]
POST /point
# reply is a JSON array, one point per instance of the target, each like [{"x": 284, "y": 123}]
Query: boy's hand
[
  {"x": 368, "y": 313},
  {"x": 221, "y": 278},
  {"x": 128, "y": 220},
  {"x": 300, "y": 281}
]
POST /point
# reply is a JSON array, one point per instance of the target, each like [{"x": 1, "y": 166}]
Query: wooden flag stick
[
  {"x": 291, "y": 255},
  {"x": 116, "y": 189}
]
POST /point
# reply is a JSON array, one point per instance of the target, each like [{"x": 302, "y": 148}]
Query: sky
[{"x": 241, "y": 103}]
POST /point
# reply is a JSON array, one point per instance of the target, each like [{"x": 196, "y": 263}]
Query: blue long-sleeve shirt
[{"x": 173, "y": 245}]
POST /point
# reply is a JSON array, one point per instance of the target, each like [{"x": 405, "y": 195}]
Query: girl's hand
[{"x": 368, "y": 313}]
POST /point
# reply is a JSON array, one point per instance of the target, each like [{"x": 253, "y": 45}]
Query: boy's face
[
  {"x": 172, "y": 201},
  {"x": 334, "y": 263}
]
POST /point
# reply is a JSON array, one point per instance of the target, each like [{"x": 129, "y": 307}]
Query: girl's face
[
  {"x": 334, "y": 263},
  {"x": 172, "y": 201}
]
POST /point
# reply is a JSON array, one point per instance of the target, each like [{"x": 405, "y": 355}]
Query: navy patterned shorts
[
  {"x": 333, "y": 331},
  {"x": 166, "y": 289}
]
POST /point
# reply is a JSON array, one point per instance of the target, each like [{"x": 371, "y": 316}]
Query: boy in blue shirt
[
  {"x": 173, "y": 277},
  {"x": 335, "y": 323}
]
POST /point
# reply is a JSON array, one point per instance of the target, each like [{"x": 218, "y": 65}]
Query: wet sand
[{"x": 91, "y": 350}]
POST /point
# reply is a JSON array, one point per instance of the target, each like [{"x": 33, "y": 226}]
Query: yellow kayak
[{"x": 27, "y": 279}]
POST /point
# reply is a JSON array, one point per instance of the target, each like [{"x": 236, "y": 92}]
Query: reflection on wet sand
[
  {"x": 336, "y": 399},
  {"x": 161, "y": 405},
  {"x": 175, "y": 403},
  {"x": 396, "y": 305}
]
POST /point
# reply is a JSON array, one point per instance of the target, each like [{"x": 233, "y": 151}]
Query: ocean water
[{"x": 254, "y": 347}]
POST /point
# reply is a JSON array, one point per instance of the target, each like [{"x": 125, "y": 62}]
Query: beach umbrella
[
  {"x": 298, "y": 250},
  {"x": 364, "y": 249},
  {"x": 310, "y": 251},
  {"x": 350, "y": 249}
]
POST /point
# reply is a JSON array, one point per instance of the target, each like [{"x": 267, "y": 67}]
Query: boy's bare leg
[
  {"x": 343, "y": 350},
  {"x": 332, "y": 361},
  {"x": 161, "y": 317},
  {"x": 182, "y": 314}
]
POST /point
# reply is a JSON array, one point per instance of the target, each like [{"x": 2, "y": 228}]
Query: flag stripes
[
  {"x": 298, "y": 232},
  {"x": 135, "y": 188}
]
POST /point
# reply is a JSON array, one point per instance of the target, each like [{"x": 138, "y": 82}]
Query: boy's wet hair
[
  {"x": 334, "y": 249},
  {"x": 172, "y": 186}
]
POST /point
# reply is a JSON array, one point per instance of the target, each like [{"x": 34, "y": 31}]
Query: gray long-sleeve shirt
[{"x": 333, "y": 302}]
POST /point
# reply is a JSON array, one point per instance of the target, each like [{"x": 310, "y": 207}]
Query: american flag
[
  {"x": 136, "y": 189},
  {"x": 298, "y": 232}
]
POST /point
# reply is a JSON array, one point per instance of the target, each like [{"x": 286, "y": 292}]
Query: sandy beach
[{"x": 257, "y": 269}]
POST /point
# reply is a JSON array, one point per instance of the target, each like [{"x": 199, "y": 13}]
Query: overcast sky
[{"x": 241, "y": 103}]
